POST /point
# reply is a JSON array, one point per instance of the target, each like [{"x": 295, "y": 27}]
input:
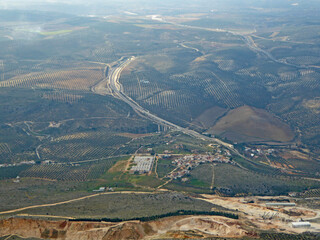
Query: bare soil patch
[
  {"x": 208, "y": 118},
  {"x": 249, "y": 124}
]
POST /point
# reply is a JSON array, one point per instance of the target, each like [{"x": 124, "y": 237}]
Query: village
[{"x": 188, "y": 162}]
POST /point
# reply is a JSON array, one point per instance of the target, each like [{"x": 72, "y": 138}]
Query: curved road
[
  {"x": 113, "y": 76},
  {"x": 246, "y": 39},
  {"x": 117, "y": 91}
]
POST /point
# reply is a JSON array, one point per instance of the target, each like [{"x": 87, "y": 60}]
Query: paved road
[
  {"x": 118, "y": 92},
  {"x": 117, "y": 89},
  {"x": 246, "y": 39}
]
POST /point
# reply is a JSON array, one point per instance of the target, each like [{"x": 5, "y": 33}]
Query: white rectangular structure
[
  {"x": 280, "y": 204},
  {"x": 101, "y": 189},
  {"x": 143, "y": 164},
  {"x": 301, "y": 224}
]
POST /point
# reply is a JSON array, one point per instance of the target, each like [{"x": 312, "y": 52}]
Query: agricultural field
[
  {"x": 207, "y": 78},
  {"x": 127, "y": 206},
  {"x": 32, "y": 191},
  {"x": 180, "y": 80},
  {"x": 69, "y": 172},
  {"x": 215, "y": 86},
  {"x": 313, "y": 193},
  {"x": 221, "y": 79},
  {"x": 69, "y": 79},
  {"x": 12, "y": 172},
  {"x": 164, "y": 166},
  {"x": 245, "y": 78},
  {"x": 198, "y": 181},
  {"x": 81, "y": 146},
  {"x": 243, "y": 182}
]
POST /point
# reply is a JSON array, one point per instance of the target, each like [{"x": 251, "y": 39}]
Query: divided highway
[
  {"x": 117, "y": 90},
  {"x": 245, "y": 38}
]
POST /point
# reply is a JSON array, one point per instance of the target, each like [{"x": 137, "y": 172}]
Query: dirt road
[{"x": 69, "y": 201}]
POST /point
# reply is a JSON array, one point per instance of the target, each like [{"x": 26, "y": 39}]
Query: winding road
[
  {"x": 113, "y": 75},
  {"x": 246, "y": 39},
  {"x": 117, "y": 90}
]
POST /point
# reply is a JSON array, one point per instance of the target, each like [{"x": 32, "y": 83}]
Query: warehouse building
[
  {"x": 301, "y": 224},
  {"x": 280, "y": 204},
  {"x": 143, "y": 164}
]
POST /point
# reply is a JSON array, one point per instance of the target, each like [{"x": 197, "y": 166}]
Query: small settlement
[
  {"x": 18, "y": 164},
  {"x": 186, "y": 163}
]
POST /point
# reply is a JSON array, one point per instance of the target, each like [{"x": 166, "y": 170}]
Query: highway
[
  {"x": 113, "y": 76},
  {"x": 251, "y": 44},
  {"x": 245, "y": 38},
  {"x": 117, "y": 91}
]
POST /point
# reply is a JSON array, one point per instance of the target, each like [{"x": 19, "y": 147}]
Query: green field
[{"x": 126, "y": 206}]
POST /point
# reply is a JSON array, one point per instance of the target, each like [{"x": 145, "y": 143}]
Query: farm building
[
  {"x": 101, "y": 189},
  {"x": 143, "y": 164},
  {"x": 301, "y": 224},
  {"x": 280, "y": 204}
]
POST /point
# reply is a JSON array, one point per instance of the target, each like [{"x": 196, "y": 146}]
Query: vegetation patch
[
  {"x": 231, "y": 180},
  {"x": 127, "y": 206},
  {"x": 156, "y": 217}
]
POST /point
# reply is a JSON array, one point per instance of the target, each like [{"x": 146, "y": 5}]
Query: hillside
[{"x": 247, "y": 124}]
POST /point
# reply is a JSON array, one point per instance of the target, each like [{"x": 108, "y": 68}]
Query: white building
[
  {"x": 143, "y": 164},
  {"x": 301, "y": 224},
  {"x": 280, "y": 204},
  {"x": 101, "y": 189}
]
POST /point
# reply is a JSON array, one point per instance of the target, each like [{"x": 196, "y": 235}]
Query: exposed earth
[
  {"x": 246, "y": 124},
  {"x": 254, "y": 217}
]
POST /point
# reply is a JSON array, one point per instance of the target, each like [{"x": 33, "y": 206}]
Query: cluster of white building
[
  {"x": 18, "y": 164},
  {"x": 195, "y": 160},
  {"x": 142, "y": 164},
  {"x": 104, "y": 189},
  {"x": 189, "y": 162},
  {"x": 257, "y": 151}
]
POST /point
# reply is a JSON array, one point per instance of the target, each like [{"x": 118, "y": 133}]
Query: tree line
[{"x": 155, "y": 217}]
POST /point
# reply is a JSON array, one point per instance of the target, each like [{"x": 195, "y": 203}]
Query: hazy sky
[{"x": 143, "y": 6}]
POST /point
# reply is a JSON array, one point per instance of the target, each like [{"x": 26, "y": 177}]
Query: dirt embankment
[{"x": 181, "y": 226}]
